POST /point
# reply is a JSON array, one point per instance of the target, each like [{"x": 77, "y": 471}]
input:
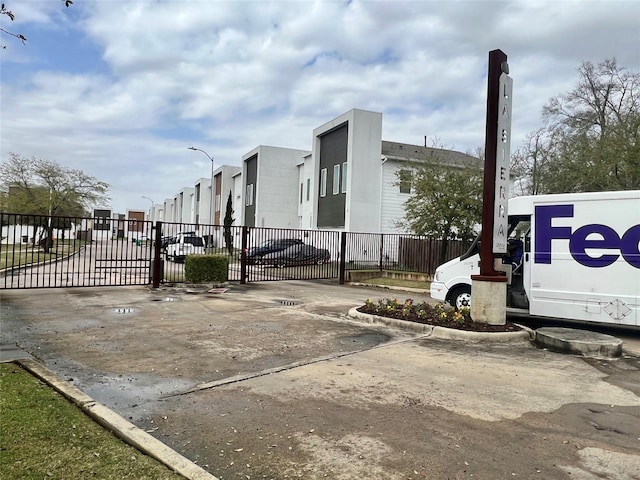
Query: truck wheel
[{"x": 461, "y": 297}]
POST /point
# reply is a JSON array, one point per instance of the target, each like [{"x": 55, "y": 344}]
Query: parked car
[
  {"x": 255, "y": 255},
  {"x": 297, "y": 255},
  {"x": 184, "y": 244}
]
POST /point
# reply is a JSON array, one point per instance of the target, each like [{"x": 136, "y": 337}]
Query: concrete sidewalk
[{"x": 276, "y": 379}]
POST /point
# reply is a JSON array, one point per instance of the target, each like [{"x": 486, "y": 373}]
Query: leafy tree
[
  {"x": 46, "y": 188},
  {"x": 5, "y": 12},
  {"x": 228, "y": 221},
  {"x": 591, "y": 140},
  {"x": 446, "y": 200}
]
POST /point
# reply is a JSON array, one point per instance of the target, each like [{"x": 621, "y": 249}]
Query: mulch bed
[{"x": 434, "y": 317}]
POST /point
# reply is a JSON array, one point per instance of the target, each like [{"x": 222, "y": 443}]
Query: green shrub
[{"x": 206, "y": 268}]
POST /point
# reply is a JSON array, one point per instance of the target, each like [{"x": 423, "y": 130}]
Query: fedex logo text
[{"x": 591, "y": 236}]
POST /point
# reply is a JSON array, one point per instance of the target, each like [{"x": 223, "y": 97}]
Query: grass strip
[
  {"x": 42, "y": 435},
  {"x": 396, "y": 282}
]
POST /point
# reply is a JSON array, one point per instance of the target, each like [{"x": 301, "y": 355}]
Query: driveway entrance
[{"x": 273, "y": 380}]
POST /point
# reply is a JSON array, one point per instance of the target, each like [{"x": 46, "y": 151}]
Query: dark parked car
[
  {"x": 297, "y": 255},
  {"x": 254, "y": 255}
]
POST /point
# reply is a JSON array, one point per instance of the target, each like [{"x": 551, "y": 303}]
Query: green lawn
[
  {"x": 42, "y": 436},
  {"x": 25, "y": 254}
]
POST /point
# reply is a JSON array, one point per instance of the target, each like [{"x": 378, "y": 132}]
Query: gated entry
[
  {"x": 259, "y": 254},
  {"x": 42, "y": 251}
]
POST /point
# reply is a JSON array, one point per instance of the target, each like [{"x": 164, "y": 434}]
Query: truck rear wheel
[{"x": 461, "y": 297}]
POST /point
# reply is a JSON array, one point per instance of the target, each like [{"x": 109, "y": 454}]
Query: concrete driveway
[{"x": 273, "y": 380}]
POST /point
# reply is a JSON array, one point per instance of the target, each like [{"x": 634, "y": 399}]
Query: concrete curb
[
  {"x": 123, "y": 429},
  {"x": 391, "y": 322},
  {"x": 526, "y": 335},
  {"x": 580, "y": 342}
]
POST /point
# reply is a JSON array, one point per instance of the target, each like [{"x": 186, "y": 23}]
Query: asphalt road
[{"x": 273, "y": 380}]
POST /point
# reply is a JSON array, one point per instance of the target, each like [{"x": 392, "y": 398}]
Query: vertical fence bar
[
  {"x": 381, "y": 251},
  {"x": 343, "y": 256},
  {"x": 157, "y": 261},
  {"x": 243, "y": 255}
]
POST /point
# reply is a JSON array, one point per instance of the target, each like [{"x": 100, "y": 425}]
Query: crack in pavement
[{"x": 291, "y": 366}]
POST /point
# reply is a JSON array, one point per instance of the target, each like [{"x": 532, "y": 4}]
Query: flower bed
[{"x": 436, "y": 315}]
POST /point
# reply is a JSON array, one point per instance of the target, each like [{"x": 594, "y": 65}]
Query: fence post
[
  {"x": 343, "y": 256},
  {"x": 243, "y": 255},
  {"x": 381, "y": 249},
  {"x": 157, "y": 245}
]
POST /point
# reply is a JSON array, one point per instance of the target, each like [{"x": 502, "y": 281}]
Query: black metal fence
[
  {"x": 42, "y": 251},
  {"x": 46, "y": 251}
]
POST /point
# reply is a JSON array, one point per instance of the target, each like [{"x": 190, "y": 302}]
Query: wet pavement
[{"x": 274, "y": 380}]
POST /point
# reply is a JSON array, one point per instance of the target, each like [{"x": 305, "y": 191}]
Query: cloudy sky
[{"x": 121, "y": 88}]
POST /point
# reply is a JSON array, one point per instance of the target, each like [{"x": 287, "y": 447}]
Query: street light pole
[
  {"x": 212, "y": 191},
  {"x": 151, "y": 212}
]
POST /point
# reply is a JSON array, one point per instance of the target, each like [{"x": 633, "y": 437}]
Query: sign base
[{"x": 489, "y": 300}]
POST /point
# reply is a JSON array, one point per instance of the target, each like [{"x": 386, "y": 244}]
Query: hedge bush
[{"x": 206, "y": 268}]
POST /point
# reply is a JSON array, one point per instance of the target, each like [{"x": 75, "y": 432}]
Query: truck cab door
[{"x": 527, "y": 259}]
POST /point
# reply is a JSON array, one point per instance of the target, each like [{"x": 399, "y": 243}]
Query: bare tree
[
  {"x": 42, "y": 187},
  {"x": 4, "y": 11},
  {"x": 606, "y": 96},
  {"x": 591, "y": 138}
]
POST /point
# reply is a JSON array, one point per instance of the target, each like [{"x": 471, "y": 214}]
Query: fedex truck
[{"x": 573, "y": 256}]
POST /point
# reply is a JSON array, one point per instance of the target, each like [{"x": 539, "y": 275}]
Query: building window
[
  {"x": 308, "y": 189},
  {"x": 323, "y": 182},
  {"x": 301, "y": 191},
  {"x": 198, "y": 193},
  {"x": 336, "y": 179},
  {"x": 217, "y": 207},
  {"x": 249, "y": 200},
  {"x": 344, "y": 177},
  {"x": 405, "y": 181}
]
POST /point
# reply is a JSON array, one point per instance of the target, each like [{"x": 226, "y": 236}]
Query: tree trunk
[{"x": 444, "y": 250}]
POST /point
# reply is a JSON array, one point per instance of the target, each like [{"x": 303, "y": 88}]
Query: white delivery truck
[{"x": 575, "y": 256}]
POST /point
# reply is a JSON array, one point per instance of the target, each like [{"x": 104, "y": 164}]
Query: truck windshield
[{"x": 518, "y": 227}]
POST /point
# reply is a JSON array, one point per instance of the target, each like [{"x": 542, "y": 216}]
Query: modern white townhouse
[
  {"x": 270, "y": 186},
  {"x": 350, "y": 180}
]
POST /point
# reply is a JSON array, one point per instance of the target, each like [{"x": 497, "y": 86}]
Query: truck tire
[{"x": 461, "y": 297}]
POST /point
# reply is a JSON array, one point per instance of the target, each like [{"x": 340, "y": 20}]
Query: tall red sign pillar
[{"x": 489, "y": 289}]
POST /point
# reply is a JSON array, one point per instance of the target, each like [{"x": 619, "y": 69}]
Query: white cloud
[{"x": 229, "y": 75}]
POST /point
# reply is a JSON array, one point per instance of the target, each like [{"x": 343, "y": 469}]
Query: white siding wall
[
  {"x": 305, "y": 178},
  {"x": 392, "y": 208},
  {"x": 201, "y": 207},
  {"x": 238, "y": 206},
  {"x": 184, "y": 211},
  {"x": 277, "y": 186}
]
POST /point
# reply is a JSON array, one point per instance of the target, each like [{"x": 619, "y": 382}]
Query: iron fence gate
[{"x": 39, "y": 251}]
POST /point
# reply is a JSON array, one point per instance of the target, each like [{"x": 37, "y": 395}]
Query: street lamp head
[{"x": 200, "y": 150}]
